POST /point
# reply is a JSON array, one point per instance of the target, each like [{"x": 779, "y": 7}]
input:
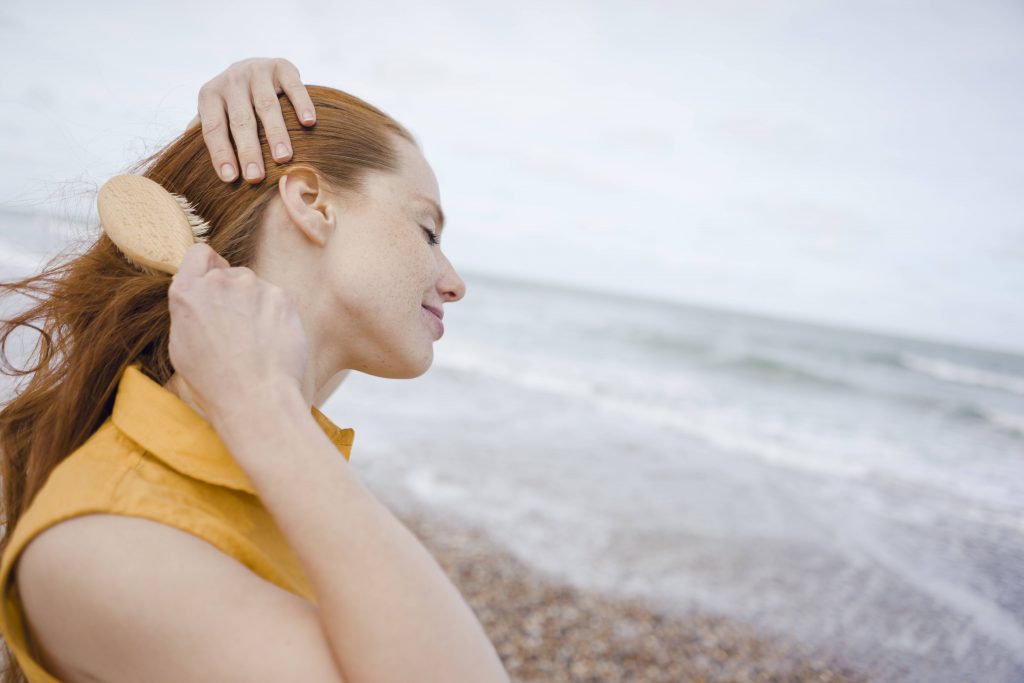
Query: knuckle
[
  {"x": 248, "y": 152},
  {"x": 287, "y": 74},
  {"x": 221, "y": 156},
  {"x": 276, "y": 134},
  {"x": 241, "y": 118},
  {"x": 289, "y": 77},
  {"x": 236, "y": 79},
  {"x": 286, "y": 71},
  {"x": 265, "y": 103},
  {"x": 280, "y": 300},
  {"x": 214, "y": 127},
  {"x": 175, "y": 294},
  {"x": 207, "y": 96}
]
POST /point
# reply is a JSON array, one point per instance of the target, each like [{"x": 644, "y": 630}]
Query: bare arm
[
  {"x": 121, "y": 599},
  {"x": 389, "y": 612}
]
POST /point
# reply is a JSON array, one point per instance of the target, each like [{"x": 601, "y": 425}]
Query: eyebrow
[{"x": 438, "y": 213}]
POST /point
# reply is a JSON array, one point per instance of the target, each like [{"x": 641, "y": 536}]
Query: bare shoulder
[{"x": 119, "y": 598}]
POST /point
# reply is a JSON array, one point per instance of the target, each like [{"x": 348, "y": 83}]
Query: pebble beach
[{"x": 546, "y": 631}]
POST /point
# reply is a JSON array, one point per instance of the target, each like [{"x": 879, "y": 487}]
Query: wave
[
  {"x": 963, "y": 374},
  {"x": 764, "y": 365},
  {"x": 1000, "y": 419},
  {"x": 1009, "y": 422},
  {"x": 730, "y": 430}
]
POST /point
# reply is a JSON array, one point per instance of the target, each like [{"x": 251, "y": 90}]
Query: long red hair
[{"x": 94, "y": 313}]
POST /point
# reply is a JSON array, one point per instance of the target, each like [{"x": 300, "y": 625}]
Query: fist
[{"x": 233, "y": 335}]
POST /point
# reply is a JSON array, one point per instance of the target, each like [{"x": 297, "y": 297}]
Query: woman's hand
[
  {"x": 231, "y": 100},
  {"x": 234, "y": 337}
]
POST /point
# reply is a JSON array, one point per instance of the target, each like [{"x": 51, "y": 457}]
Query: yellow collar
[{"x": 172, "y": 431}]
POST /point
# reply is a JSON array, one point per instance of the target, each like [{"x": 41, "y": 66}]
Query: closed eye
[{"x": 432, "y": 239}]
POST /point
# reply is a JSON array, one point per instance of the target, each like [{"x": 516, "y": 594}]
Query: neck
[{"x": 177, "y": 386}]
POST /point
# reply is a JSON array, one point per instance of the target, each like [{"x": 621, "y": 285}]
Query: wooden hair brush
[{"x": 152, "y": 228}]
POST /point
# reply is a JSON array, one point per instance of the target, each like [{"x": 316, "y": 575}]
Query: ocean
[{"x": 852, "y": 490}]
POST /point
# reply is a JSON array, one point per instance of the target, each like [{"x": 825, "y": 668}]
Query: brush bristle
[
  {"x": 139, "y": 266},
  {"x": 137, "y": 216},
  {"x": 200, "y": 228}
]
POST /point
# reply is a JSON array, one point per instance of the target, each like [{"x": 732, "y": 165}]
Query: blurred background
[{"x": 743, "y": 329}]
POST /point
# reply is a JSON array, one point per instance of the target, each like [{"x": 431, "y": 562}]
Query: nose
[{"x": 450, "y": 285}]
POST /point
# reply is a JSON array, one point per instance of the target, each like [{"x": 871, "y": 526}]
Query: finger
[
  {"x": 264, "y": 99},
  {"x": 218, "y": 261},
  {"x": 239, "y": 271},
  {"x": 199, "y": 259},
  {"x": 242, "y": 121},
  {"x": 196, "y": 120},
  {"x": 215, "y": 134},
  {"x": 287, "y": 77}
]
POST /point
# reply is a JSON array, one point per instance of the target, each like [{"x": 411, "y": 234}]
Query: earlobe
[{"x": 304, "y": 198}]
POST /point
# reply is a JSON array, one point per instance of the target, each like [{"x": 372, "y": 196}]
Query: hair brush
[{"x": 151, "y": 227}]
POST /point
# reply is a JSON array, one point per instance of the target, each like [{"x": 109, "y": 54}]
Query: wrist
[{"x": 264, "y": 405}]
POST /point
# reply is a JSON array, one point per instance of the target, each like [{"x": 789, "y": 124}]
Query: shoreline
[{"x": 548, "y": 631}]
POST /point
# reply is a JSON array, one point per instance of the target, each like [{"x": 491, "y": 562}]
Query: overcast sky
[{"x": 852, "y": 163}]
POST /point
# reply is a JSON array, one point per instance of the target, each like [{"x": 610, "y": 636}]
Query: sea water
[{"x": 851, "y": 490}]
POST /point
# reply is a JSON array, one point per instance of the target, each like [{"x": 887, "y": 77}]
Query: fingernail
[
  {"x": 227, "y": 172},
  {"x": 282, "y": 151},
  {"x": 252, "y": 171},
  {"x": 307, "y": 116}
]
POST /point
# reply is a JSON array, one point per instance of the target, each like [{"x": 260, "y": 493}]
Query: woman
[{"x": 176, "y": 508}]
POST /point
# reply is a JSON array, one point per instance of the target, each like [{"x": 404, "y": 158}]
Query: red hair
[{"x": 95, "y": 313}]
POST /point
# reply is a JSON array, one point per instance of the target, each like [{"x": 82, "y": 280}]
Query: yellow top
[{"x": 155, "y": 457}]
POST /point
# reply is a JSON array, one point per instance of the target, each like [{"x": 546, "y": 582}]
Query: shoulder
[{"x": 123, "y": 598}]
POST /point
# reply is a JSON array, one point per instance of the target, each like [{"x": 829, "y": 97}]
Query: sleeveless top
[{"x": 155, "y": 457}]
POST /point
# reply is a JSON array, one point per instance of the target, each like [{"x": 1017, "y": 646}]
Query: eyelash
[{"x": 433, "y": 236}]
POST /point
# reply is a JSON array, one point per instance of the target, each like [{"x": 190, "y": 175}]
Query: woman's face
[{"x": 361, "y": 267}]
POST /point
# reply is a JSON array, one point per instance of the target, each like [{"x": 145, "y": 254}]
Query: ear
[{"x": 304, "y": 196}]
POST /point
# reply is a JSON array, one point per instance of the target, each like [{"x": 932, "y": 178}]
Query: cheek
[
  {"x": 404, "y": 267},
  {"x": 388, "y": 275},
  {"x": 369, "y": 292}
]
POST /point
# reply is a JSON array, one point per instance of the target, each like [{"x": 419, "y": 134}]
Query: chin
[
  {"x": 423, "y": 364},
  {"x": 410, "y": 367}
]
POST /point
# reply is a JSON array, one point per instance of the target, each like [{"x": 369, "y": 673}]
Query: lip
[{"x": 435, "y": 320}]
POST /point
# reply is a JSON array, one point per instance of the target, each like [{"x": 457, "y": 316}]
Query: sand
[{"x": 547, "y": 631}]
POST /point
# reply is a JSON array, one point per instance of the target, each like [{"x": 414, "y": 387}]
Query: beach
[
  {"x": 546, "y": 631},
  {"x": 845, "y": 491},
  {"x": 780, "y": 494}
]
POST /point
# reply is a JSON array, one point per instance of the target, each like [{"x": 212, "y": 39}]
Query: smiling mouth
[{"x": 435, "y": 322}]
